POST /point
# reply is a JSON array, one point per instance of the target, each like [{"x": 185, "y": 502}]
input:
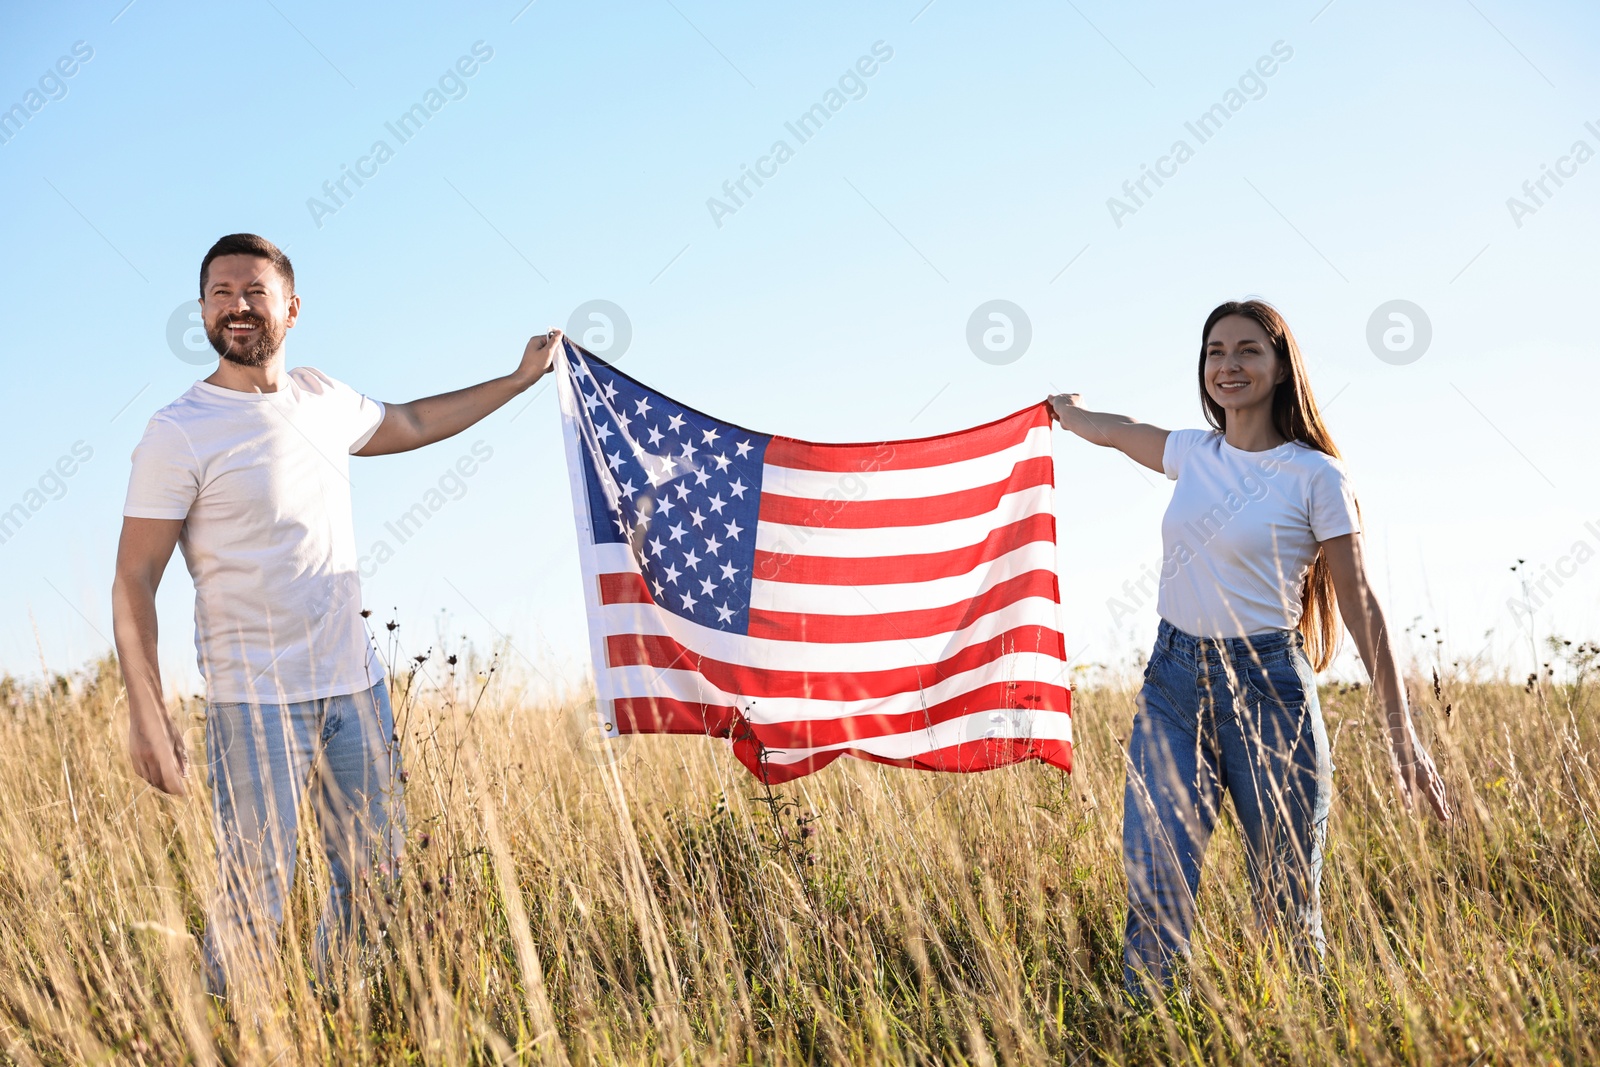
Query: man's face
[{"x": 246, "y": 309}]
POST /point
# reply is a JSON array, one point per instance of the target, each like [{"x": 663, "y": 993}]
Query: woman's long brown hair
[{"x": 1295, "y": 417}]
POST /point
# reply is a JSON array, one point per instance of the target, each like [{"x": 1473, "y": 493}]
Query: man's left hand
[{"x": 537, "y": 358}]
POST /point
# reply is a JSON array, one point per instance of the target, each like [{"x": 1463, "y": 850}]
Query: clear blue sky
[{"x": 576, "y": 163}]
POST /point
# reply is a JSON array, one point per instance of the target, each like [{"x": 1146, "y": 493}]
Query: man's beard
[{"x": 257, "y": 354}]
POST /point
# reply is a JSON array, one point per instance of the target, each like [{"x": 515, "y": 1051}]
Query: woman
[{"x": 1261, "y": 540}]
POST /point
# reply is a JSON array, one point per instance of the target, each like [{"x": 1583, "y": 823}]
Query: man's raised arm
[
  {"x": 155, "y": 744},
  {"x": 433, "y": 418}
]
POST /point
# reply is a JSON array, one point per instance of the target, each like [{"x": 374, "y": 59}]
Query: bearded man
[{"x": 247, "y": 472}]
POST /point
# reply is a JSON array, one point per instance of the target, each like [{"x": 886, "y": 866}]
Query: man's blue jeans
[
  {"x": 263, "y": 760},
  {"x": 1223, "y": 715}
]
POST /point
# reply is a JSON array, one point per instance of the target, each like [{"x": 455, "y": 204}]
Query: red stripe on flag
[
  {"x": 897, "y": 625},
  {"x": 915, "y": 511},
  {"x": 665, "y": 653},
  {"x": 1023, "y": 696},
  {"x": 661, "y": 715},
  {"x": 980, "y": 755},
  {"x": 623, "y": 588},
  {"x": 897, "y": 570},
  {"x": 907, "y": 455}
]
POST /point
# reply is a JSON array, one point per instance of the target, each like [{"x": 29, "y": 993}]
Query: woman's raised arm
[{"x": 1140, "y": 441}]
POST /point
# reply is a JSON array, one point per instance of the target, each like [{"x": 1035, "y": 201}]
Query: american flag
[{"x": 895, "y": 601}]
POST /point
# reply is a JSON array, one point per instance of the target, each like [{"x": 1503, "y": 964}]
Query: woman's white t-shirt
[{"x": 1242, "y": 530}]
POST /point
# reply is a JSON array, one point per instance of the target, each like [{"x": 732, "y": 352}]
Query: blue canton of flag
[{"x": 682, "y": 489}]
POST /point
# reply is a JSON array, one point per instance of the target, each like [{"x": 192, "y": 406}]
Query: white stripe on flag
[
  {"x": 902, "y": 540},
  {"x": 800, "y": 655},
  {"x": 906, "y": 484},
  {"x": 1035, "y": 725},
  {"x": 689, "y": 686},
  {"x": 902, "y": 596}
]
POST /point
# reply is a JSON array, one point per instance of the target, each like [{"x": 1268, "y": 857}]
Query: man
[{"x": 248, "y": 472}]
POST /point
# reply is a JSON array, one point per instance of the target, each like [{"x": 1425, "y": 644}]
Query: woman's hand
[
  {"x": 1142, "y": 443},
  {"x": 1415, "y": 773},
  {"x": 1413, "y": 769},
  {"x": 1065, "y": 408}
]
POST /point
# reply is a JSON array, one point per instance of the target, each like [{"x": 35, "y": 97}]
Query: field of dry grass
[{"x": 659, "y": 907}]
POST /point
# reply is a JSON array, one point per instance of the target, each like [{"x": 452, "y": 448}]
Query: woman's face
[{"x": 1242, "y": 370}]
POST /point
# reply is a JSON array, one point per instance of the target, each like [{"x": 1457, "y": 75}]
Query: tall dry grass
[{"x": 666, "y": 909}]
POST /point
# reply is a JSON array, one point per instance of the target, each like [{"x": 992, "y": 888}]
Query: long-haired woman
[{"x": 1262, "y": 542}]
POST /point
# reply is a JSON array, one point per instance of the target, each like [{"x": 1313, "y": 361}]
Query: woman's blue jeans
[
  {"x": 263, "y": 762},
  {"x": 1229, "y": 715}
]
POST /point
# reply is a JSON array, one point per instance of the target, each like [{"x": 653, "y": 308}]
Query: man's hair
[{"x": 248, "y": 244}]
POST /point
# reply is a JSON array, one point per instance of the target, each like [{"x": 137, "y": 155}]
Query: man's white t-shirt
[
  {"x": 262, "y": 483},
  {"x": 1242, "y": 530}
]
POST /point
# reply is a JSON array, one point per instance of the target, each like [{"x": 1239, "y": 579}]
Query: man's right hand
[{"x": 155, "y": 744}]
